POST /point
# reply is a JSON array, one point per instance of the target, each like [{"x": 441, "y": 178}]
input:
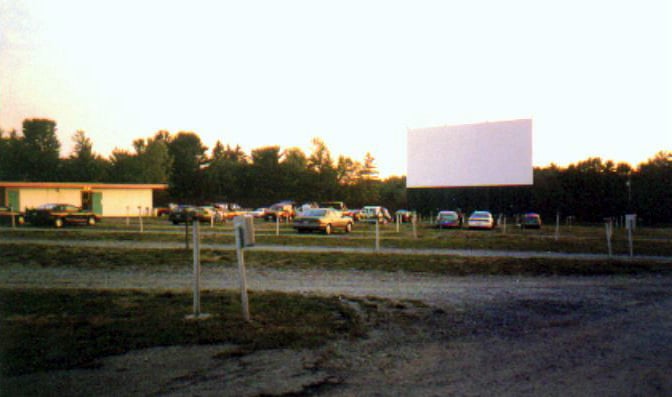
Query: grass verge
[
  {"x": 59, "y": 329},
  {"x": 114, "y": 258}
]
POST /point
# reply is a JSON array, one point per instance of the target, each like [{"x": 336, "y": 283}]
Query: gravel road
[{"x": 477, "y": 335}]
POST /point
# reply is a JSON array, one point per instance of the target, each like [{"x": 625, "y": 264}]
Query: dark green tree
[
  {"x": 188, "y": 157},
  {"x": 84, "y": 165},
  {"x": 40, "y": 151}
]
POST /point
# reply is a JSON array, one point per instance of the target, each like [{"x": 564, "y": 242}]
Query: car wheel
[
  {"x": 91, "y": 221},
  {"x": 327, "y": 229},
  {"x": 348, "y": 227},
  {"x": 58, "y": 222}
]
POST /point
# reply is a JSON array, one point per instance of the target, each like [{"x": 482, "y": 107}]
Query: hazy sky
[{"x": 595, "y": 76}]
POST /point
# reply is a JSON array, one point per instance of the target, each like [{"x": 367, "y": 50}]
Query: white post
[
  {"x": 398, "y": 221},
  {"x": 377, "y": 236},
  {"x": 610, "y": 230},
  {"x": 277, "y": 225},
  {"x": 128, "y": 215},
  {"x": 630, "y": 246},
  {"x": 415, "y": 227},
  {"x": 197, "y": 270},
  {"x": 557, "y": 226},
  {"x": 140, "y": 218},
  {"x": 241, "y": 270}
]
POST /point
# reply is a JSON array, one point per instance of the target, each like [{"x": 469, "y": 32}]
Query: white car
[{"x": 481, "y": 220}]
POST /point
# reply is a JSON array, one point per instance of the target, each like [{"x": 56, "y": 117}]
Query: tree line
[
  {"x": 197, "y": 174},
  {"x": 590, "y": 190}
]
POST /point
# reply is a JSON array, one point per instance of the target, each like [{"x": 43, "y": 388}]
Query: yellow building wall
[
  {"x": 29, "y": 198},
  {"x": 122, "y": 202},
  {"x": 115, "y": 202}
]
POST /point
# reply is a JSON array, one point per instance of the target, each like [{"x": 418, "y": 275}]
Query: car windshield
[
  {"x": 50, "y": 206},
  {"x": 448, "y": 216},
  {"x": 480, "y": 215},
  {"x": 315, "y": 212}
]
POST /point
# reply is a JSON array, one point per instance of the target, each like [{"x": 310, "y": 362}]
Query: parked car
[
  {"x": 448, "y": 219},
  {"x": 189, "y": 213},
  {"x": 259, "y": 212},
  {"x": 404, "y": 215},
  {"x": 323, "y": 219},
  {"x": 354, "y": 213},
  {"x": 337, "y": 205},
  {"x": 58, "y": 215},
  {"x": 531, "y": 220},
  {"x": 481, "y": 220},
  {"x": 6, "y": 215},
  {"x": 373, "y": 213},
  {"x": 227, "y": 211},
  {"x": 283, "y": 210}
]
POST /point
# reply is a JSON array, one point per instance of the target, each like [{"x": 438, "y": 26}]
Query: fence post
[
  {"x": 238, "y": 229},
  {"x": 610, "y": 230},
  {"x": 557, "y": 226},
  {"x": 377, "y": 235},
  {"x": 140, "y": 219},
  {"x": 197, "y": 271}
]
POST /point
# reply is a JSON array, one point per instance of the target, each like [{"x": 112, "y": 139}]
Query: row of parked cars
[{"x": 482, "y": 220}]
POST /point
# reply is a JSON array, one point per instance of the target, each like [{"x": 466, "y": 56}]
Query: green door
[
  {"x": 13, "y": 200},
  {"x": 98, "y": 203}
]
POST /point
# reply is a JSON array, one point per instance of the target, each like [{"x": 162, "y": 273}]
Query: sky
[{"x": 594, "y": 76}]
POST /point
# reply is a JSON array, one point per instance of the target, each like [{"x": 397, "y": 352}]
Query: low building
[{"x": 105, "y": 199}]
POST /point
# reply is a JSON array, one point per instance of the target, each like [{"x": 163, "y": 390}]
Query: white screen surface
[{"x": 484, "y": 154}]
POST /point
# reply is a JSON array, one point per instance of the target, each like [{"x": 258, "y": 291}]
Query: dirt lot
[{"x": 435, "y": 336}]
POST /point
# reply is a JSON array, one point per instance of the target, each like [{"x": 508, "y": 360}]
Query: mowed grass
[
  {"x": 575, "y": 239},
  {"x": 116, "y": 258},
  {"x": 60, "y": 329}
]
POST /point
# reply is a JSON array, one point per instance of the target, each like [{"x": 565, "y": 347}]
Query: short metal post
[
  {"x": 186, "y": 234},
  {"x": 630, "y": 245},
  {"x": 11, "y": 210},
  {"x": 415, "y": 227},
  {"x": 140, "y": 219},
  {"x": 610, "y": 230},
  {"x": 197, "y": 271},
  {"x": 128, "y": 216},
  {"x": 377, "y": 235},
  {"x": 557, "y": 226},
  {"x": 277, "y": 225},
  {"x": 241, "y": 270}
]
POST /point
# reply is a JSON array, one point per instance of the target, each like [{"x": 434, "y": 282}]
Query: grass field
[
  {"x": 58, "y": 329},
  {"x": 570, "y": 239}
]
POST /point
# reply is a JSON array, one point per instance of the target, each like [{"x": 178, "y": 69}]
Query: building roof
[{"x": 82, "y": 185}]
